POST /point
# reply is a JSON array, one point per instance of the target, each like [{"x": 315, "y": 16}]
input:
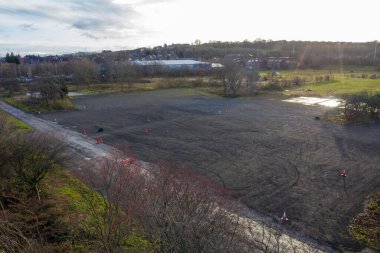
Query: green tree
[{"x": 11, "y": 58}]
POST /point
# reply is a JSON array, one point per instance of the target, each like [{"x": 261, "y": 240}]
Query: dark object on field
[
  {"x": 100, "y": 129},
  {"x": 317, "y": 118}
]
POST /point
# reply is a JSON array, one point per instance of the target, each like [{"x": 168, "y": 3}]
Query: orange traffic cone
[{"x": 284, "y": 217}]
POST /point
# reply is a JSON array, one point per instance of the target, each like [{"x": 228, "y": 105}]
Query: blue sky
[{"x": 53, "y": 26}]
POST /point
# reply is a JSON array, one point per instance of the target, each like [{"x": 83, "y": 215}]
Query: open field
[
  {"x": 146, "y": 84},
  {"x": 340, "y": 86},
  {"x": 339, "y": 83},
  {"x": 270, "y": 154}
]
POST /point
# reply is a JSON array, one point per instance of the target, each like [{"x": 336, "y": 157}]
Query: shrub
[
  {"x": 362, "y": 107},
  {"x": 373, "y": 76}
]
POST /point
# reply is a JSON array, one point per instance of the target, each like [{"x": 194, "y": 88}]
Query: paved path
[{"x": 81, "y": 144}]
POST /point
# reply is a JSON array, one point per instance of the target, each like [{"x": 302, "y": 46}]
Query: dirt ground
[{"x": 271, "y": 154}]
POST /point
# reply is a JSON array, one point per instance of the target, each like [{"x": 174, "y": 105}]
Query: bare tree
[
  {"x": 49, "y": 89},
  {"x": 231, "y": 75},
  {"x": 8, "y": 71},
  {"x": 6, "y": 136},
  {"x": 108, "y": 207},
  {"x": 177, "y": 210},
  {"x": 252, "y": 77},
  {"x": 33, "y": 156},
  {"x": 84, "y": 71},
  {"x": 123, "y": 72},
  {"x": 220, "y": 75},
  {"x": 182, "y": 212},
  {"x": 132, "y": 74}
]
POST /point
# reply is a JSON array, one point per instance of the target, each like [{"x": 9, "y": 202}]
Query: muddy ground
[{"x": 271, "y": 154}]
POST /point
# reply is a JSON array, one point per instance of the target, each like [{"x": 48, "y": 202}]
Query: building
[{"x": 176, "y": 64}]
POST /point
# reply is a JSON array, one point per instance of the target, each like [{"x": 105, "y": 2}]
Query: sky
[{"x": 67, "y": 26}]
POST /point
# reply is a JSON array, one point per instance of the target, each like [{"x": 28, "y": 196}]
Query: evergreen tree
[{"x": 11, "y": 58}]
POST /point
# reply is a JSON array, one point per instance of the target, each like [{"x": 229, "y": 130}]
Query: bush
[
  {"x": 49, "y": 89},
  {"x": 362, "y": 107},
  {"x": 58, "y": 105},
  {"x": 373, "y": 76}
]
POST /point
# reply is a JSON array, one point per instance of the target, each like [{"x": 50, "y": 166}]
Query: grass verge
[
  {"x": 147, "y": 84},
  {"x": 30, "y": 106},
  {"x": 14, "y": 122},
  {"x": 20, "y": 105}
]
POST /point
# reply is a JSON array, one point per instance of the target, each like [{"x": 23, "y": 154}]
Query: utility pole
[
  {"x": 293, "y": 52},
  {"x": 328, "y": 54},
  {"x": 374, "y": 54}
]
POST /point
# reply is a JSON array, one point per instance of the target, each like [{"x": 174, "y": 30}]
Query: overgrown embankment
[{"x": 41, "y": 205}]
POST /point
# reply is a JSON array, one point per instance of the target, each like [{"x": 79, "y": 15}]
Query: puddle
[
  {"x": 328, "y": 102},
  {"x": 38, "y": 95},
  {"x": 74, "y": 94}
]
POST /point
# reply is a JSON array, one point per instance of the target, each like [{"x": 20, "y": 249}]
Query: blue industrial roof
[{"x": 170, "y": 62}]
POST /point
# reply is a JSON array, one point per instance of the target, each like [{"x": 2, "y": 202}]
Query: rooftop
[{"x": 170, "y": 62}]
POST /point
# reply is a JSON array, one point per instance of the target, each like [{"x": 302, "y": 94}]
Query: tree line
[{"x": 307, "y": 54}]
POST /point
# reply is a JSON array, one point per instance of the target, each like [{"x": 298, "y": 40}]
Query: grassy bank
[
  {"x": 338, "y": 87},
  {"x": 46, "y": 212},
  {"x": 27, "y": 105},
  {"x": 14, "y": 122},
  {"x": 67, "y": 192}
]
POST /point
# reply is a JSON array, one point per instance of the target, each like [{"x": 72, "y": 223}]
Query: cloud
[
  {"x": 141, "y": 2},
  {"x": 16, "y": 11},
  {"x": 95, "y": 19},
  {"x": 27, "y": 27}
]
